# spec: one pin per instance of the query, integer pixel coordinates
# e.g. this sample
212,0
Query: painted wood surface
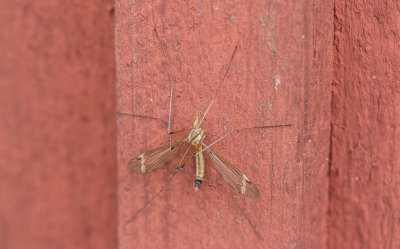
281,74
365,173
328,68
57,125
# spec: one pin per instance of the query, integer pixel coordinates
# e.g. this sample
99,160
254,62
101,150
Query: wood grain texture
365,174
282,73
57,125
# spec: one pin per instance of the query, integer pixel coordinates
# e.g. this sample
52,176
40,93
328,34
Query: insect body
159,157
196,138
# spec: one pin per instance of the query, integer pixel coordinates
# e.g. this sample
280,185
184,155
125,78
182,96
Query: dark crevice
336,50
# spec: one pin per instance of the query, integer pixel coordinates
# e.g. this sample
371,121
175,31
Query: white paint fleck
270,106
225,128
215,6
356,178
133,53
151,100
302,36
374,77
200,10
277,81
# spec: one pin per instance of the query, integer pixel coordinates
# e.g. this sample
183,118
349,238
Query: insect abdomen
200,168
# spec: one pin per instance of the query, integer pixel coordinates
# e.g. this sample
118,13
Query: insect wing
236,179
153,159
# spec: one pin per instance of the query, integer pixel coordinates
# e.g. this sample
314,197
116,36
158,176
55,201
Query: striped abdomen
200,169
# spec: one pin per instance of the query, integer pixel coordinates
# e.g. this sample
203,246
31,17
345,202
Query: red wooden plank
57,125
365,175
281,74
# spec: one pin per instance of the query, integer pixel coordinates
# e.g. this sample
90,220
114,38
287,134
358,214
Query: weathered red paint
57,125
281,74
57,132
365,174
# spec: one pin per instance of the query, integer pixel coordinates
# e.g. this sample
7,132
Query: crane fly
159,157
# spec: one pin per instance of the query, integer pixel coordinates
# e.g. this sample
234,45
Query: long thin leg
219,87
172,87
144,116
152,198
169,115
228,133
234,200
242,211
165,185
140,116
187,150
196,149
178,131
184,155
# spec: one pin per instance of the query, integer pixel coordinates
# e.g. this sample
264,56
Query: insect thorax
198,133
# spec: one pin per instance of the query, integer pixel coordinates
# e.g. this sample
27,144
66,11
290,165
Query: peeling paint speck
200,10
277,81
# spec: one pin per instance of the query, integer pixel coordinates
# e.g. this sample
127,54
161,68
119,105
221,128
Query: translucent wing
153,159
236,179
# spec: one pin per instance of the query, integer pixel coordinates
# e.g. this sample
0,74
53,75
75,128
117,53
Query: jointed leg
140,116
228,133
172,86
